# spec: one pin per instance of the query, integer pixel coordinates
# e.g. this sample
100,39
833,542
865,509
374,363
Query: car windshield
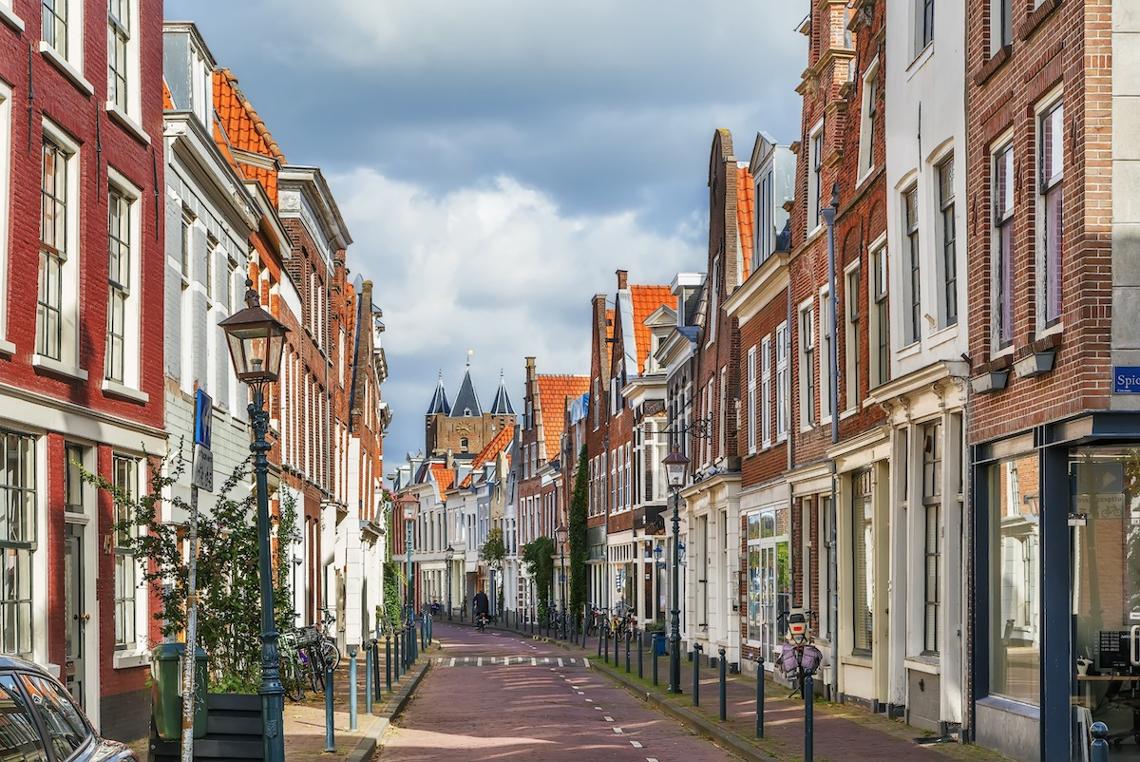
66,729
19,738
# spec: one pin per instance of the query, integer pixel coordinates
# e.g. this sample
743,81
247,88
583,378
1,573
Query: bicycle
330,653
800,657
291,663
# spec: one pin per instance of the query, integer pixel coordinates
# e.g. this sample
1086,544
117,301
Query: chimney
600,330
623,279
530,369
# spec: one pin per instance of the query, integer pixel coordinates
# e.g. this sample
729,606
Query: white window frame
714,303
751,397
923,37
1000,25
870,91
766,392
6,346
815,178
879,323
131,382
999,322
783,382
70,58
129,108
823,354
134,653
807,346
912,248
68,362
1045,185
853,319
946,266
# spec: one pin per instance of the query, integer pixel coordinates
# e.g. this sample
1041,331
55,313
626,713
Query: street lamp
410,506
256,340
450,559
561,534
675,466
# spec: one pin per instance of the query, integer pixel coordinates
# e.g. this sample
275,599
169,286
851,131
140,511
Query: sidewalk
305,721
842,731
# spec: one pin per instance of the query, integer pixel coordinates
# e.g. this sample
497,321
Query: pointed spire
439,402
502,404
467,401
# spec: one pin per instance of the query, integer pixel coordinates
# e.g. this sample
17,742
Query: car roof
14,662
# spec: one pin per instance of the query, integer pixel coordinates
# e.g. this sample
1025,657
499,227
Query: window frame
25,546
121,51
1003,218
126,598
824,348
879,290
751,393
933,463
806,314
815,178
869,110
766,392
862,496
783,381
852,321
65,356
947,239
912,236
1050,190
130,197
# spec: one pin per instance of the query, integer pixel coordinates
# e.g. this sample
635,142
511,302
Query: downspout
828,214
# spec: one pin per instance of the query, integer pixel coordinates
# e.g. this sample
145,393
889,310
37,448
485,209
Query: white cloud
497,268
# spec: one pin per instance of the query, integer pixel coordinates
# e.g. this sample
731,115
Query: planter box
1036,364
991,381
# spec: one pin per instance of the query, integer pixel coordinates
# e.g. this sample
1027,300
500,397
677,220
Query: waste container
166,690
659,641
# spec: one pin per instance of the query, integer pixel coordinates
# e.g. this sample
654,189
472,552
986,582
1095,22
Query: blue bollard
640,655
1098,751
653,641
760,676
697,674
330,731
369,687
388,662
723,689
809,718
352,686
628,638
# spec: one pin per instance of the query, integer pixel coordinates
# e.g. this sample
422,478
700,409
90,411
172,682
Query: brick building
1053,345
597,452
81,374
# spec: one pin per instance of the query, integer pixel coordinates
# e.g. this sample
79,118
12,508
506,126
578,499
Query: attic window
463,444
467,411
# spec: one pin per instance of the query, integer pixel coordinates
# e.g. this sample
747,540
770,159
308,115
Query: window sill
993,64
132,127
1036,18
928,664
848,413
816,232
7,347
70,372
115,389
1056,328
131,659
1002,704
942,335
859,660
866,174
911,349
920,60
65,68
9,17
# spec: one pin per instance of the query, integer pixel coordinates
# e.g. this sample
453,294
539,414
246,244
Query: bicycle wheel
291,679
330,654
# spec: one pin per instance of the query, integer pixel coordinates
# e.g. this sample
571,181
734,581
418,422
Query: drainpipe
828,214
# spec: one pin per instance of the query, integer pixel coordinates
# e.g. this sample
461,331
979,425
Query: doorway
769,579
74,612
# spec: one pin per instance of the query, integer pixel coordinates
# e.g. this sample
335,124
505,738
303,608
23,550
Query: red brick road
497,711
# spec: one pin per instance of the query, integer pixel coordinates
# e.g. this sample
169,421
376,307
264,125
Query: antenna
470,354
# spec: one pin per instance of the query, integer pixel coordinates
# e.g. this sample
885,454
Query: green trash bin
166,690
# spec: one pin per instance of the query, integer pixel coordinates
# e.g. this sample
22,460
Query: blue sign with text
203,418
1126,379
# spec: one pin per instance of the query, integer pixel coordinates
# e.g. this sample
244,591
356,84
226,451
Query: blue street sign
203,418
1126,379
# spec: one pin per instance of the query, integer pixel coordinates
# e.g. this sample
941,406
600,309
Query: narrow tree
538,556
494,552
578,552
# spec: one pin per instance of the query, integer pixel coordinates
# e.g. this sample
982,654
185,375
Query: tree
229,599
577,536
538,555
494,552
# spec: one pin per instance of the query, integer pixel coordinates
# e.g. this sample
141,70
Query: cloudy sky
497,160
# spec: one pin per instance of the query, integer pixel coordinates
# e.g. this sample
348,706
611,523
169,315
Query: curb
395,706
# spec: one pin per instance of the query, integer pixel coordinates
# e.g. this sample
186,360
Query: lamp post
256,340
675,465
450,557
410,505
561,533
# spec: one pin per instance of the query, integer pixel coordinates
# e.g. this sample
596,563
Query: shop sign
1101,505
1126,379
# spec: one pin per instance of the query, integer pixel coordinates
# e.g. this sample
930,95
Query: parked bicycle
800,657
293,667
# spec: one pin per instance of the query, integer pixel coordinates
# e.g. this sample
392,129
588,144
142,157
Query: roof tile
552,393
646,301
745,202
498,443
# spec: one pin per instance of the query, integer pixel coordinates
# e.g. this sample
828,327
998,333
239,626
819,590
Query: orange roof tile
609,324
444,477
646,301
745,197
552,393
498,443
167,98
243,129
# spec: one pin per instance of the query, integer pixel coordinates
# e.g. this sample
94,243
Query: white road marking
618,731
651,759
480,662
597,707
607,718
452,662
533,662
559,662
635,744
586,662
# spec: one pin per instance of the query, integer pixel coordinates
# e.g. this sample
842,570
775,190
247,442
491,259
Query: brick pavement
842,731
480,708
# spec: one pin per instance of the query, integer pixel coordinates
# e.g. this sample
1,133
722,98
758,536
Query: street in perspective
652,381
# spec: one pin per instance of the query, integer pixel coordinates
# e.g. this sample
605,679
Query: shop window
17,542
863,547
932,555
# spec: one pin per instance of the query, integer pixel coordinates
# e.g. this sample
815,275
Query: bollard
1098,751
697,674
640,655
760,697
809,719
388,662
653,641
628,638
398,655
352,685
723,696
330,731
369,685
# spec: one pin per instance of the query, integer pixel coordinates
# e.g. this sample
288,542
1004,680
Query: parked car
40,723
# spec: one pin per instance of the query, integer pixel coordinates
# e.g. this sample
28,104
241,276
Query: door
75,611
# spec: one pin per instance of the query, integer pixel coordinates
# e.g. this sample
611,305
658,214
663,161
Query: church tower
463,428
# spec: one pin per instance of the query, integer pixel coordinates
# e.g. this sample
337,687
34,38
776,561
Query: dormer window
467,412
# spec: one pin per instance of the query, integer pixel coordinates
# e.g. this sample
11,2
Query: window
914,290
815,181
881,327
867,122
826,404
783,382
17,542
766,391
119,282
714,302
73,479
1050,172
765,222
932,506
55,25
19,739
863,546
1001,25
945,173
125,475
66,730
1015,579
54,239
751,406
851,339
1003,197
118,44
807,366
723,423
923,25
